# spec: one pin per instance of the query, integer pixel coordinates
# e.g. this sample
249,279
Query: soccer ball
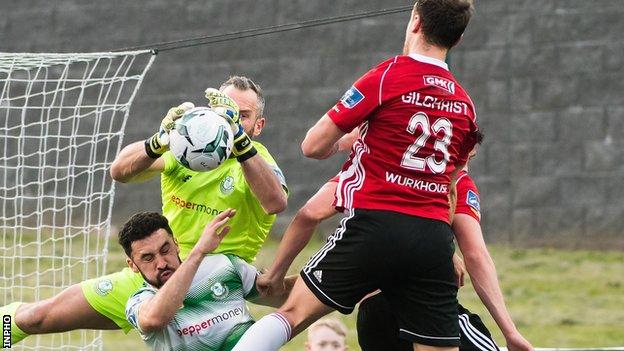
201,139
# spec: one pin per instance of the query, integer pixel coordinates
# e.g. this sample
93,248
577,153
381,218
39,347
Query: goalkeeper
250,182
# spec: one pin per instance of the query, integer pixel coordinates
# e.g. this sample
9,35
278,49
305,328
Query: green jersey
214,315
191,199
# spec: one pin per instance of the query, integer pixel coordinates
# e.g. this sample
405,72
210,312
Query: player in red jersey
373,335
417,127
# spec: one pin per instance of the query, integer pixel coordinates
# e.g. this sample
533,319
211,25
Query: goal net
62,118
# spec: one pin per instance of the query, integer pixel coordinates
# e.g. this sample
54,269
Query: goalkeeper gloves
227,108
158,144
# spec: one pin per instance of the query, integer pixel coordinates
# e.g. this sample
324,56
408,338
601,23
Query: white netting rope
62,118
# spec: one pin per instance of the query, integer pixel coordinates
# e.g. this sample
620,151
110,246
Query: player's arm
296,237
141,160
134,165
275,298
263,182
321,141
364,96
482,271
158,311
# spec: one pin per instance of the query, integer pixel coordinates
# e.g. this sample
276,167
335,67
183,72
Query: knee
310,214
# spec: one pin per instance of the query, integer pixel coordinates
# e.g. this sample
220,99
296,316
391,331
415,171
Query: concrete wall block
521,94
499,29
484,64
555,92
520,24
601,89
605,221
533,126
521,159
615,122
557,222
579,57
534,191
529,6
602,155
498,95
581,123
613,58
522,227
532,60
576,191
546,158
498,159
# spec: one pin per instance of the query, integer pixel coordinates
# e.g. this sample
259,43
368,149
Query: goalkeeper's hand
158,144
227,108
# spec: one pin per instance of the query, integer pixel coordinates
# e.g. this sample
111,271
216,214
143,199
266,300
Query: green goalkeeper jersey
191,199
214,315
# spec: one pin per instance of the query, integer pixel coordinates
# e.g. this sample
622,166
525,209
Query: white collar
430,60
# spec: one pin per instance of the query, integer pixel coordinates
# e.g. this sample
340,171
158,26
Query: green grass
558,298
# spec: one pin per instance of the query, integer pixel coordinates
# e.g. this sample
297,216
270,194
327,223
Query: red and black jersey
417,125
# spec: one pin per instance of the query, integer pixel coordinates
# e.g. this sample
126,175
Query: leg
66,311
272,331
302,308
93,304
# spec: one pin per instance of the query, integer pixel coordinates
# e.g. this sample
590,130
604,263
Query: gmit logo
6,331
439,82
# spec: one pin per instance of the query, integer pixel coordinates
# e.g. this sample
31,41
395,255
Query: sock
268,334
17,334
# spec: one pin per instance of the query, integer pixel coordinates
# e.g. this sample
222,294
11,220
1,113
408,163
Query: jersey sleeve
248,275
170,162
360,100
134,304
468,201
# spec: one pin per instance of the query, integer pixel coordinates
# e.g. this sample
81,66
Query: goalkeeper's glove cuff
153,148
243,148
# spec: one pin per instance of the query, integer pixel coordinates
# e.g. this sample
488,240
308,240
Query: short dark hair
140,226
480,136
243,83
444,21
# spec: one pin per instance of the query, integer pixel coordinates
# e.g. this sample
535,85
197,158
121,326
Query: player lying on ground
371,334
190,305
251,182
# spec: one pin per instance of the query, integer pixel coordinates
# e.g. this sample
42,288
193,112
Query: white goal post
62,119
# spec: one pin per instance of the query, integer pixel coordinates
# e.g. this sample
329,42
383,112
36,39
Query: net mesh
62,118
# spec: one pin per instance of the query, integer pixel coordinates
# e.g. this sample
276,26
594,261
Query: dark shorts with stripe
409,258
378,329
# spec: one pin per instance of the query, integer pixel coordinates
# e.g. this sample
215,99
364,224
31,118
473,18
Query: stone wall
546,77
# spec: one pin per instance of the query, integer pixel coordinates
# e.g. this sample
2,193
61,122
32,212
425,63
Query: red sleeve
361,99
468,201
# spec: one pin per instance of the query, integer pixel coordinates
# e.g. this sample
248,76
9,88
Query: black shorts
376,336
409,258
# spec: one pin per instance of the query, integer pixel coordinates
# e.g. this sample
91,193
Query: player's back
417,126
